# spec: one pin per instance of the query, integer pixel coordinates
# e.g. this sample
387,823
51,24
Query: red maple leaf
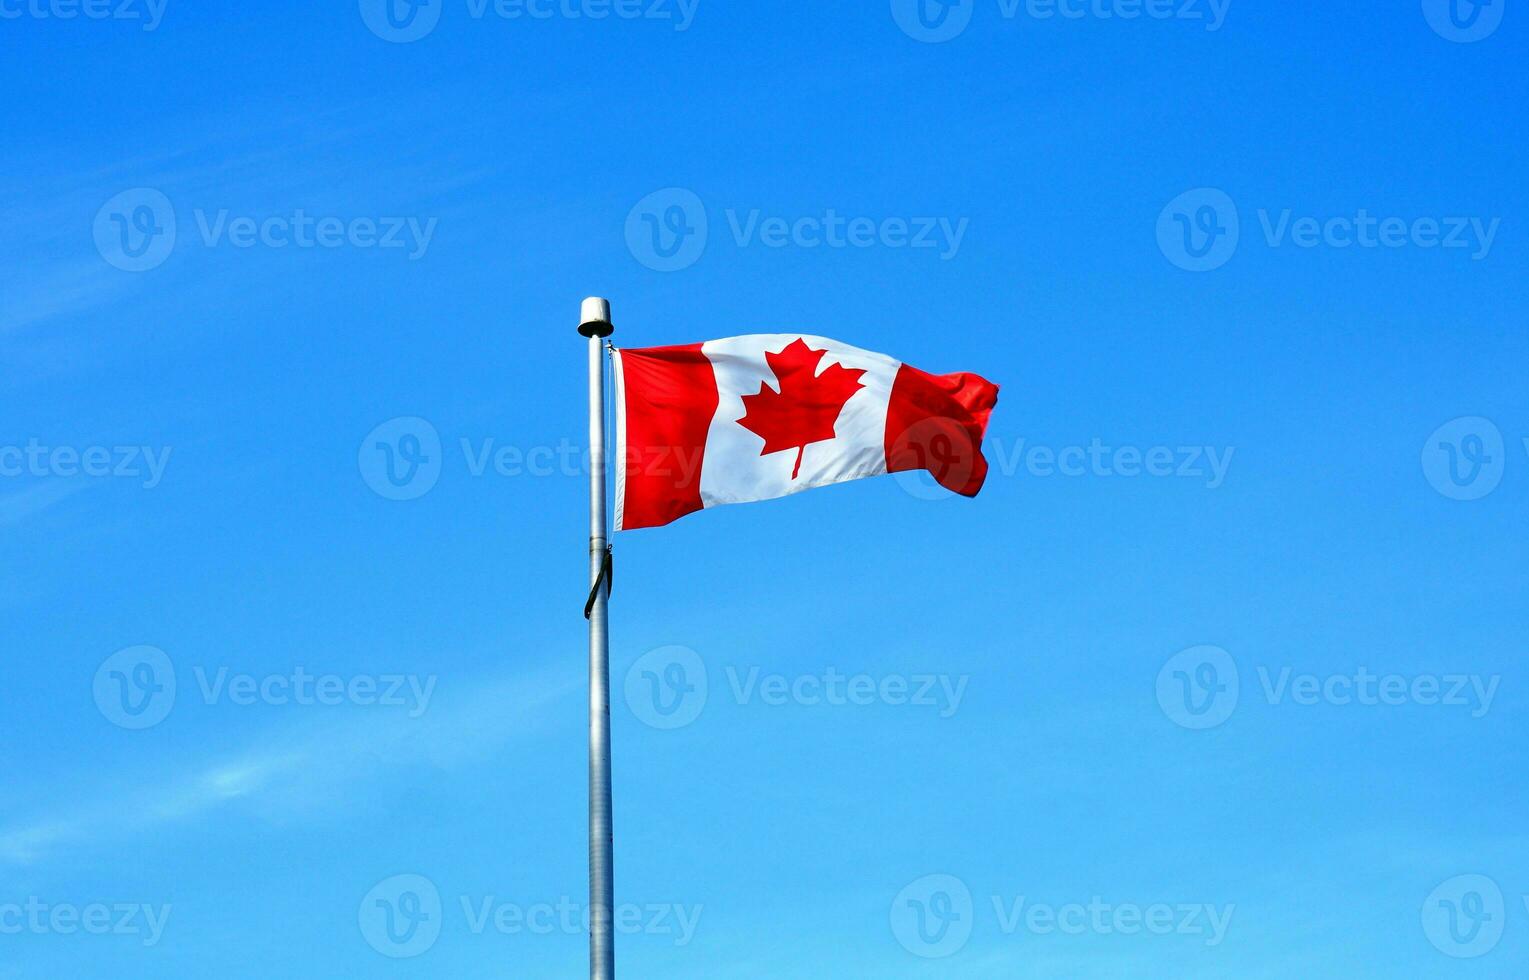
807,405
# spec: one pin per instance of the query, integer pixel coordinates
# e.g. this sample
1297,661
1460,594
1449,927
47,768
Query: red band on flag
936,422
669,397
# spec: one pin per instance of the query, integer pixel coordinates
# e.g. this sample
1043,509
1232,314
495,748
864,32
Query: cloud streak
22,504
303,768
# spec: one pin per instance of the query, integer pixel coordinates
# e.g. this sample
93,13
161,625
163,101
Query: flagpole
595,323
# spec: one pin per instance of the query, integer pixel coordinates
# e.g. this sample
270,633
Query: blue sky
1252,710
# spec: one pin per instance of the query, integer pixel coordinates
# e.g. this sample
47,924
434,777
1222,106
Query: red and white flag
763,416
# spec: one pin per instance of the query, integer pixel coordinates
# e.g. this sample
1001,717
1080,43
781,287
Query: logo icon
135,231
1198,231
135,688
401,458
401,21
933,21
401,916
667,230
932,917
1464,21
1464,459
666,688
1198,688
1463,917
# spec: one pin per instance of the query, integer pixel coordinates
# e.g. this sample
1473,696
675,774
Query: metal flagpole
595,323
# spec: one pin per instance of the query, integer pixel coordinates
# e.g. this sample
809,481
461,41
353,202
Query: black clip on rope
607,577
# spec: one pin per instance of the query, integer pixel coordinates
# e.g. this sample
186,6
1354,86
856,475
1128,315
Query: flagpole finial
595,318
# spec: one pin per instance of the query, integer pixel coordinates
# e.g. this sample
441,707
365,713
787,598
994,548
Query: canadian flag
763,416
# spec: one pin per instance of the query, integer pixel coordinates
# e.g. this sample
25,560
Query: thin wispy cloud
287,164
304,768
19,505
68,288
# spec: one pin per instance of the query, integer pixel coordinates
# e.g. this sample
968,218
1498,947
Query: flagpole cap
595,318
